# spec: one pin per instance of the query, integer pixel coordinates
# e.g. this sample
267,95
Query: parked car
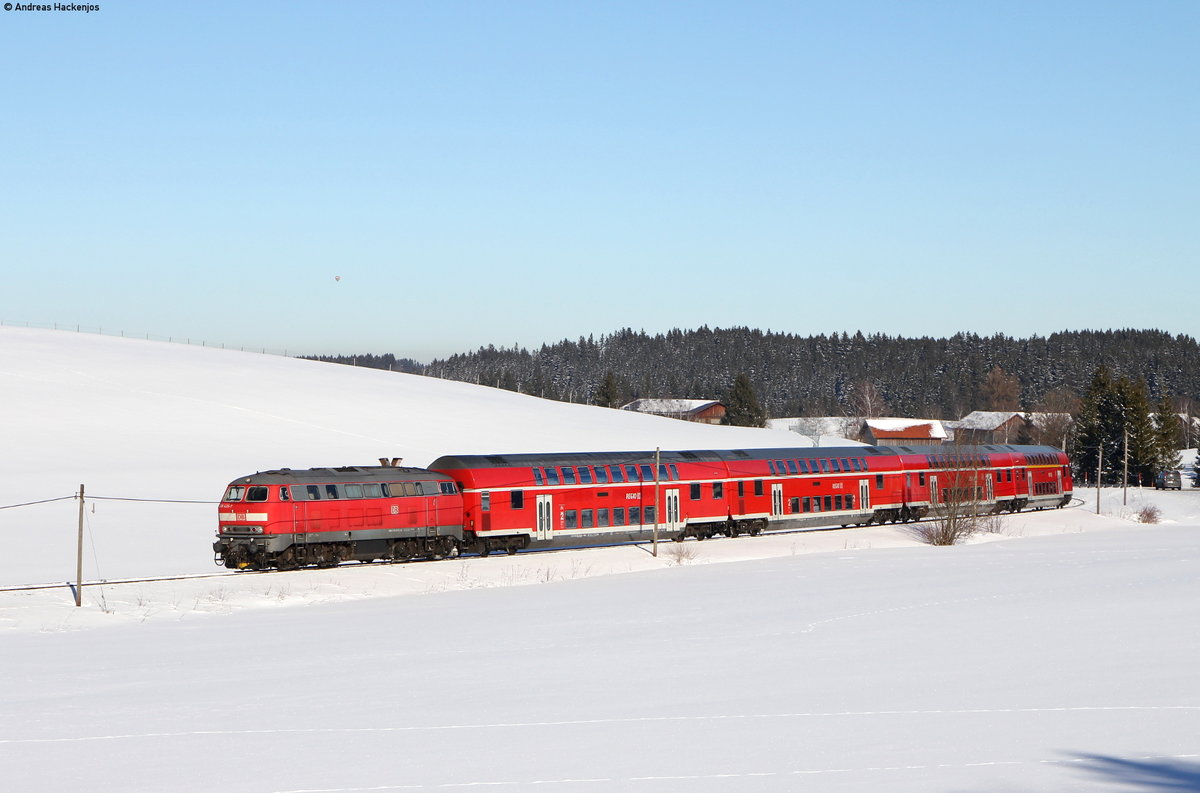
1168,480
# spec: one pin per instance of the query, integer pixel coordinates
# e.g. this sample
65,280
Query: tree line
824,375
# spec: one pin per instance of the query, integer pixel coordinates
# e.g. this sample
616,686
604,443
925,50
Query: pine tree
1137,431
741,407
1167,435
609,393
1099,417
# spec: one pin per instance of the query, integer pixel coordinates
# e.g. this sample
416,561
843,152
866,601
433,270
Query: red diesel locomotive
487,503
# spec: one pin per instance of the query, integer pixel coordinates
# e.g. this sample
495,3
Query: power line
43,501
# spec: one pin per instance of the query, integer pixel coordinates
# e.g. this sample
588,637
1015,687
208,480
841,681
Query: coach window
807,506
845,465
829,503
552,476
795,504
314,492
834,465
537,477
601,475
758,487
824,466
663,474
585,475
485,501
648,514
718,490
921,479
284,495
879,481
617,476
568,475
516,499
635,516
602,518
791,466
647,473
619,516
694,491
631,473
353,491
849,501
674,472
570,519
816,504
771,467
256,494
587,517
803,466
741,489
837,503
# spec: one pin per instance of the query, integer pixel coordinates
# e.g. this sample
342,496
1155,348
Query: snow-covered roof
985,419
669,406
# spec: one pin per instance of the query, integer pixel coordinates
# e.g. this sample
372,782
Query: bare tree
1052,418
1001,391
811,427
866,400
958,493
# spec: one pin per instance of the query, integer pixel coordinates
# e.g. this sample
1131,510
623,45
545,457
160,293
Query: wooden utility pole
79,556
655,546
1125,475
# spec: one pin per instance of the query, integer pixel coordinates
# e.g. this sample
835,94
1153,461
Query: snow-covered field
1057,655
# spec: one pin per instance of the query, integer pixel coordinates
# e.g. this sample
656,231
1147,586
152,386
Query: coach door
864,494
777,499
545,517
671,521
934,495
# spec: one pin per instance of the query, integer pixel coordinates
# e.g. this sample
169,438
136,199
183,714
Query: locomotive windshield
234,493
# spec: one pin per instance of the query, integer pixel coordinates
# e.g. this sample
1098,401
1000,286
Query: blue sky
521,172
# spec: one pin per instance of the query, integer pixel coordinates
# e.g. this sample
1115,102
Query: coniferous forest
828,375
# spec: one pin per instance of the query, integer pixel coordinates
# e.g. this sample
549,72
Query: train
506,503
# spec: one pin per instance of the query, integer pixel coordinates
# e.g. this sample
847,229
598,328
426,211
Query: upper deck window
552,476
617,476
568,475
601,475
585,475
537,476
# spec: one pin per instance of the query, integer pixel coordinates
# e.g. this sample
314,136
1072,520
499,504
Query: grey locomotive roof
350,473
